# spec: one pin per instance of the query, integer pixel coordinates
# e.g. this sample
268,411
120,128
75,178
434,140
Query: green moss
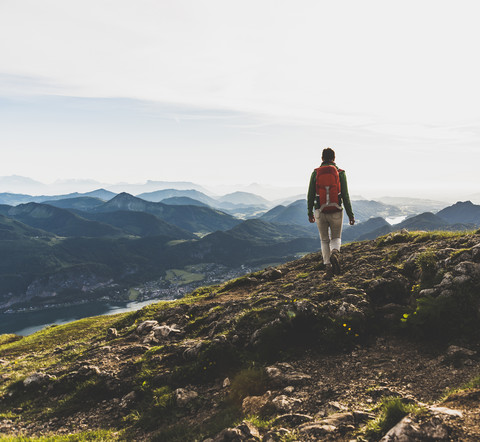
458,252
8,338
303,275
390,411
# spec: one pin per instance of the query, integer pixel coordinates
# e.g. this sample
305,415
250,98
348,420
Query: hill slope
59,221
192,218
281,353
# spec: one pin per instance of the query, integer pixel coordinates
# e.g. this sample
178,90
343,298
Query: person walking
326,193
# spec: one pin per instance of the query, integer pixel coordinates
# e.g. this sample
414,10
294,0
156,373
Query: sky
228,93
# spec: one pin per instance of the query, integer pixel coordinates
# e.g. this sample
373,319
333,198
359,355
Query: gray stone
457,353
468,268
462,279
428,292
129,399
37,380
112,333
184,396
88,370
292,419
257,405
316,429
284,403
283,374
164,331
146,326
249,430
411,429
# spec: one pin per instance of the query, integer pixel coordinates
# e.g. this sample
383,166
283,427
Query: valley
88,251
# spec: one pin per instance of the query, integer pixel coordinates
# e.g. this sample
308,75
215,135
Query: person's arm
311,195
346,197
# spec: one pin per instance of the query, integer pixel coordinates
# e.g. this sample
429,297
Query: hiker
326,192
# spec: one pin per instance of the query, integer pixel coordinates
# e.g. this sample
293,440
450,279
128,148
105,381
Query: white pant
330,230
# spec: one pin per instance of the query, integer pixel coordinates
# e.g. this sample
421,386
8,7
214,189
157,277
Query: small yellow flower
344,325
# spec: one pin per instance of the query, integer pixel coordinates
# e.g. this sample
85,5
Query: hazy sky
234,92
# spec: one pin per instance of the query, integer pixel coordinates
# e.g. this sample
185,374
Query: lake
26,323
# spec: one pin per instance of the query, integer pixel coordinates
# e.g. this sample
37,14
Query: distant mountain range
84,244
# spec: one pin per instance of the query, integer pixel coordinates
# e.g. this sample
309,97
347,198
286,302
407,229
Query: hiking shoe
328,271
335,260
320,266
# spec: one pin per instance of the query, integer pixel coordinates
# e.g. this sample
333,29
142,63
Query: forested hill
389,348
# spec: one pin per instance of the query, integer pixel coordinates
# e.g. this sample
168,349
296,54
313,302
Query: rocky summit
388,350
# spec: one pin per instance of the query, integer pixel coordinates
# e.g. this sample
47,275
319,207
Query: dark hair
328,154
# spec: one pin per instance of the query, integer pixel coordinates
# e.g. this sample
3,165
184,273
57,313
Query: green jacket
312,191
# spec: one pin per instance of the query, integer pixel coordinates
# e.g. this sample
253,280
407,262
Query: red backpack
328,189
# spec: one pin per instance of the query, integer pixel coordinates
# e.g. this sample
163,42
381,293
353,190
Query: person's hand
311,218
352,221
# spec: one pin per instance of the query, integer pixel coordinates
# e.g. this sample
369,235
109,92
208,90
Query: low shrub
446,317
248,382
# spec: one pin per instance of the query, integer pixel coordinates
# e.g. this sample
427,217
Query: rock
183,396
316,429
164,331
283,374
192,352
249,430
258,405
226,383
129,399
467,268
272,274
284,404
246,431
462,279
411,429
292,419
146,326
134,350
457,355
276,435
453,351
446,411
36,380
428,292
112,333
88,370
